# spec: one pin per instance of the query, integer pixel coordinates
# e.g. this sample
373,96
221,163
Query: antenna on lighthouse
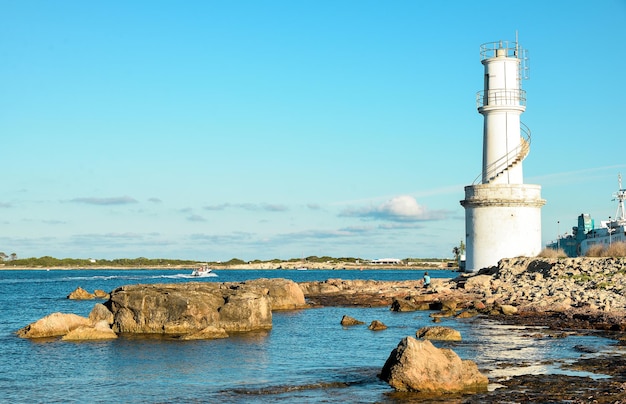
620,195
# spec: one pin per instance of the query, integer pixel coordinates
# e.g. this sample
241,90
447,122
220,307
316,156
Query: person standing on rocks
426,280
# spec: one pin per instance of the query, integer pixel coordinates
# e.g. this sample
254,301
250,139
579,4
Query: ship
586,235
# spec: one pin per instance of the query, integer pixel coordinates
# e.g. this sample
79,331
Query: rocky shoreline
574,294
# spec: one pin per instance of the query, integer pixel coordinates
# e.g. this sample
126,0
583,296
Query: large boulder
188,308
53,325
420,366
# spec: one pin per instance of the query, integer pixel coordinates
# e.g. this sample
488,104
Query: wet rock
403,305
438,333
348,321
467,314
377,326
508,310
449,305
209,332
420,366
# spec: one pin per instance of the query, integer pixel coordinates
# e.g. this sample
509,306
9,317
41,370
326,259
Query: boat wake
102,278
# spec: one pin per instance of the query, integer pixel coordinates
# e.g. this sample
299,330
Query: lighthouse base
501,221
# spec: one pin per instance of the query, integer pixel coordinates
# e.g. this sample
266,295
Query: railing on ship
507,161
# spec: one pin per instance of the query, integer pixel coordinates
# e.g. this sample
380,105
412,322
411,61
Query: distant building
387,261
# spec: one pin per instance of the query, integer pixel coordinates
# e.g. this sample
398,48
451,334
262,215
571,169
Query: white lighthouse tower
502,214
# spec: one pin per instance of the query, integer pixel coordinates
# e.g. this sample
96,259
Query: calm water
307,356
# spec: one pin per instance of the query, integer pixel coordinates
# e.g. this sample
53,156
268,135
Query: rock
480,282
508,310
420,366
101,294
478,305
80,294
53,325
247,311
377,326
100,313
348,321
284,294
467,314
209,332
438,333
407,304
449,305
187,308
99,331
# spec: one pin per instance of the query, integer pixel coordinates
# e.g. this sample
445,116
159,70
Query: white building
502,214
387,261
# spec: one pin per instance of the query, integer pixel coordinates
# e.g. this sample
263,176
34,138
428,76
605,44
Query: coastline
554,298
256,266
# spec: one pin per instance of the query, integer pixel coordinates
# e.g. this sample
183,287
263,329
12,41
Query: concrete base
501,221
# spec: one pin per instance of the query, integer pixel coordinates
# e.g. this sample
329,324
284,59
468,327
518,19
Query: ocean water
306,357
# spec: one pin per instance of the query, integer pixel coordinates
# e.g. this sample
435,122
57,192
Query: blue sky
276,129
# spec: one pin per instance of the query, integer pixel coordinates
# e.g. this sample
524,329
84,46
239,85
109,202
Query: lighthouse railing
500,97
509,49
513,157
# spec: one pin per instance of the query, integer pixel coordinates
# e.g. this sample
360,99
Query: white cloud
403,208
119,200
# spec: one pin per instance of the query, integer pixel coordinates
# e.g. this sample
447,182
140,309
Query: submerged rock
377,326
438,333
420,366
348,321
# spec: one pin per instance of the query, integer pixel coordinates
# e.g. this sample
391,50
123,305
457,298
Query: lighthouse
502,214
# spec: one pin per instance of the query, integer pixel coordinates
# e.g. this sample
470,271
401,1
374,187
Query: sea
307,357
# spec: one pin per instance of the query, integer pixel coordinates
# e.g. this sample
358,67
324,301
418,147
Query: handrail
507,161
500,97
510,49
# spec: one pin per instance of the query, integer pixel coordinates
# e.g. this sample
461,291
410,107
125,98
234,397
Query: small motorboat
203,270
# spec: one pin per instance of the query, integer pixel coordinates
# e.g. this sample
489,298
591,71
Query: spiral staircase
514,157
